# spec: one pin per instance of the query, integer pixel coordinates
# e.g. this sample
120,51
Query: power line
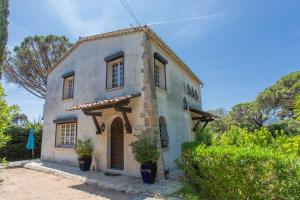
185,19
128,8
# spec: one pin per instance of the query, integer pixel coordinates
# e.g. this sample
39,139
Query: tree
29,63
297,108
20,120
278,99
6,114
222,123
249,115
3,27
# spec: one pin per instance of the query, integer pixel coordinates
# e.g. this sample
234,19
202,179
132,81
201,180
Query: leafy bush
204,136
6,115
289,126
230,172
84,148
297,108
15,149
145,149
289,144
262,137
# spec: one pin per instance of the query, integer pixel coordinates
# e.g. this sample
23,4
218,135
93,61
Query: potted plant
145,151
84,149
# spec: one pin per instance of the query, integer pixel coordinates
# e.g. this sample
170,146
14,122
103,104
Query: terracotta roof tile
117,33
103,102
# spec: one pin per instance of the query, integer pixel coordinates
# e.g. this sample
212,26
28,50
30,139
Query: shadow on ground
94,190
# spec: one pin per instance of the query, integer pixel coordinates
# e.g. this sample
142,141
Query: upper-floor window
68,86
117,75
115,70
160,71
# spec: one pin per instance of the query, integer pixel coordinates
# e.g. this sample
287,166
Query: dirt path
25,184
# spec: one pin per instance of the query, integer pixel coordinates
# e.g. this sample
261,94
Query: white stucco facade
90,74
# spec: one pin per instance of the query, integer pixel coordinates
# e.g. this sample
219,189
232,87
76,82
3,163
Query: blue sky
237,48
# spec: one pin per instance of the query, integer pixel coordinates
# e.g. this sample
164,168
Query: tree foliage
279,98
297,108
249,115
15,149
29,63
20,120
6,114
219,125
275,102
3,26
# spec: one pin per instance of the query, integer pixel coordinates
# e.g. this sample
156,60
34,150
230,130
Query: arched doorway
117,144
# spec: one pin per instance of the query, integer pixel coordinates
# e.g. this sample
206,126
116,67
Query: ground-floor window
66,135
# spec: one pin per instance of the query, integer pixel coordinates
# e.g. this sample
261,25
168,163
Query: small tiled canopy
118,104
105,102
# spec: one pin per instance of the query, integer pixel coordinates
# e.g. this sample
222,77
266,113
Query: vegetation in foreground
242,156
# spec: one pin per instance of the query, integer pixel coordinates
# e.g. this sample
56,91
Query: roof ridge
156,38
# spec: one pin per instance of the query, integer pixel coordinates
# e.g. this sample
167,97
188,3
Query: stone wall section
150,113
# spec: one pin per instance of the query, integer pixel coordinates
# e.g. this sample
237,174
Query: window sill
115,88
165,148
69,148
67,100
161,89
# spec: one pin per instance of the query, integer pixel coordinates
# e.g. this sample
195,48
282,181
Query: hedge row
230,172
15,149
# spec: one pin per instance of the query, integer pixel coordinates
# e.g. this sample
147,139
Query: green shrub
242,137
15,149
297,108
204,136
84,148
145,149
230,172
289,144
289,126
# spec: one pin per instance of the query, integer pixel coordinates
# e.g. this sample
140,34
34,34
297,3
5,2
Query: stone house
113,86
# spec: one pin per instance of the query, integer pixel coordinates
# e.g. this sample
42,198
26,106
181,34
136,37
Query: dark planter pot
148,172
85,163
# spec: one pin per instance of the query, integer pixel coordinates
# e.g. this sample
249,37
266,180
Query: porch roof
104,102
202,115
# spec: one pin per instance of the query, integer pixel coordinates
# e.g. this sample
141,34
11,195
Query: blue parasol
30,142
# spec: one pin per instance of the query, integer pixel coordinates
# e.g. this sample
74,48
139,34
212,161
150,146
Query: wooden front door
117,144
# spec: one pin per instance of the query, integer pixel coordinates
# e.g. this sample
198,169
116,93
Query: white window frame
68,88
115,73
66,134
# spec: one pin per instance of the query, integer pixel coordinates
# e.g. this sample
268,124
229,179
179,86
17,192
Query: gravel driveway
25,184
